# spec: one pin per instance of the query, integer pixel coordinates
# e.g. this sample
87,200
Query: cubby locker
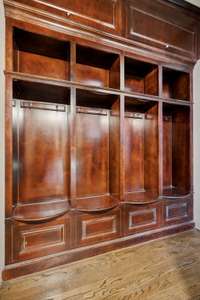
96,67
97,150
141,151
176,84
40,55
40,150
176,150
141,77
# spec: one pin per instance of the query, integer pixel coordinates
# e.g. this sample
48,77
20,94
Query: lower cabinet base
54,260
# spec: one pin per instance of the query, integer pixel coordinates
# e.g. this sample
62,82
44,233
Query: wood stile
98,127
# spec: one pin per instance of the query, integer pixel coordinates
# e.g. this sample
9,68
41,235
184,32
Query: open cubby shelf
97,119
51,58
97,151
40,55
97,68
141,150
176,84
141,77
176,150
40,125
29,90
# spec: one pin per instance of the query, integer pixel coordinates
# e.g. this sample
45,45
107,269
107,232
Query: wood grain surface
159,270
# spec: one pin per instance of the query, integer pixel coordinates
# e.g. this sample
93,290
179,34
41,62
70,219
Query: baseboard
44,263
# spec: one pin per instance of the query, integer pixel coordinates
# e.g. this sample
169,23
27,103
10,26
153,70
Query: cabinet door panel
99,14
99,227
37,240
171,29
142,218
177,211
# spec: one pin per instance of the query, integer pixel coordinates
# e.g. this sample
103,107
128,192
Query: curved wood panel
140,198
40,212
96,204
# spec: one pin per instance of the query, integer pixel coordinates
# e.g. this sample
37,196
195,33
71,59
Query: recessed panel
41,152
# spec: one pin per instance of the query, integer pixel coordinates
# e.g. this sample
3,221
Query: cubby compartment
97,68
40,55
176,84
40,151
176,150
97,151
141,151
141,77
40,92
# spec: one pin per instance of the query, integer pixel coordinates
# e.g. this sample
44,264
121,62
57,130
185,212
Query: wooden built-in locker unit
98,127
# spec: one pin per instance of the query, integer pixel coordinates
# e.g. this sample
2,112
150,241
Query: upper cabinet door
99,14
162,25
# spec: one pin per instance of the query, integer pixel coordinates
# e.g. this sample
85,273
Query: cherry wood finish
98,127
164,26
38,239
141,151
176,150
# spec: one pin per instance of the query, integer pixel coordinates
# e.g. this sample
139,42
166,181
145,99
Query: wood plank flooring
160,270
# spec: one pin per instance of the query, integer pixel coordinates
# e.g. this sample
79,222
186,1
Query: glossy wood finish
40,55
98,227
175,34
160,270
31,240
42,153
141,150
176,84
97,68
176,137
141,77
100,14
98,137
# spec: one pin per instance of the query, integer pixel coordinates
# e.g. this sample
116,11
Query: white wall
2,56
196,137
195,2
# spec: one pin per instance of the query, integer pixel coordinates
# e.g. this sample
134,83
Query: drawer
98,227
177,211
37,240
99,14
177,31
139,218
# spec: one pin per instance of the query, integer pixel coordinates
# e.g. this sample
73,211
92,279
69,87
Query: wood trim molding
36,265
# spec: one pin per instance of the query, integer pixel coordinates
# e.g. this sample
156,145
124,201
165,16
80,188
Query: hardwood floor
160,270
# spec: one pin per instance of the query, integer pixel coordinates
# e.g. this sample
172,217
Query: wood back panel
181,150
92,159
134,153
167,151
42,65
151,149
114,149
41,151
90,75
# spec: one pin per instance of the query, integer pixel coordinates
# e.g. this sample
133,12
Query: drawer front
99,227
178,211
177,35
142,218
99,14
36,240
